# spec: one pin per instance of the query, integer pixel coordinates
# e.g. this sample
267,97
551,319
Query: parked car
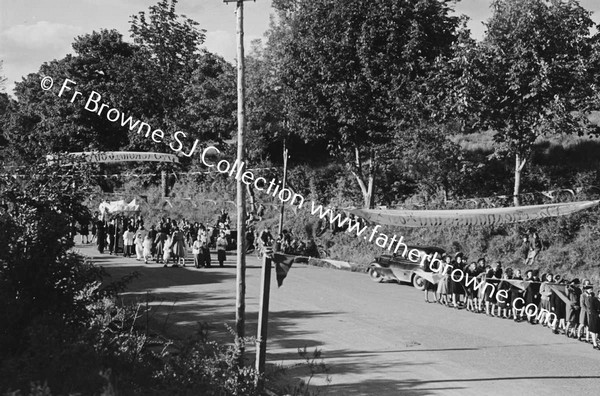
395,267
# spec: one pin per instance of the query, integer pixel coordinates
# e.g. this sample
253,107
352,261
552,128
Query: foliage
315,365
61,326
41,122
45,288
530,76
375,84
173,40
163,79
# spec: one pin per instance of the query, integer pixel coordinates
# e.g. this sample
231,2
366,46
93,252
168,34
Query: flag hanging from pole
283,263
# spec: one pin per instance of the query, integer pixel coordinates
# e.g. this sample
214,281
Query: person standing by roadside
167,251
442,288
265,239
573,308
221,248
532,294
545,294
84,231
559,308
178,248
128,237
111,230
471,273
205,240
584,315
197,252
159,243
101,235
594,317
502,301
516,293
489,296
481,269
152,235
140,235
147,247
455,289
94,227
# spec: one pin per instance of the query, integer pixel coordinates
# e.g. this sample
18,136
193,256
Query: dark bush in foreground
62,332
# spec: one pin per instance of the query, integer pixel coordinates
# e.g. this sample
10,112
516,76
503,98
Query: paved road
376,339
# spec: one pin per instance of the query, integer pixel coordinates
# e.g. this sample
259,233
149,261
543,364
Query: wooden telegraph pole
263,318
265,291
241,191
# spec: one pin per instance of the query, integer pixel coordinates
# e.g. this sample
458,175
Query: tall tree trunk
163,183
520,162
365,182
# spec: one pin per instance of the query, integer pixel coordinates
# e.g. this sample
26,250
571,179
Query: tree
153,81
42,122
353,73
529,76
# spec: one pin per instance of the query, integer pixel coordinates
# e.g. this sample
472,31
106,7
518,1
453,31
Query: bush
62,332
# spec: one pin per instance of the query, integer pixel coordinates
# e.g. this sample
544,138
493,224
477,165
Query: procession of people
167,242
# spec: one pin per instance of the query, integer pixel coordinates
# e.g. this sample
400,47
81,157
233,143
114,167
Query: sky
37,31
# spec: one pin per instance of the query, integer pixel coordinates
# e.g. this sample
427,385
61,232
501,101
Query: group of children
561,305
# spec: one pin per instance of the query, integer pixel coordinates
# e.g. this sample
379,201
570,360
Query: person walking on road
221,248
111,230
101,234
140,235
197,252
178,248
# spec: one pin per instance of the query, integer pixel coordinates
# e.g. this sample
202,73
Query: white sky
36,31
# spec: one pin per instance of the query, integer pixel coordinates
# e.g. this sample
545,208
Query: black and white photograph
299,197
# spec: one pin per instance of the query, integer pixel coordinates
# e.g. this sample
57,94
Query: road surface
376,339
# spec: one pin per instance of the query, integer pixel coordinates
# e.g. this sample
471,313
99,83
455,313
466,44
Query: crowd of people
567,307
166,242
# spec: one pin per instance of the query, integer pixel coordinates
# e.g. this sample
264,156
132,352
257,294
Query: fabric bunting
495,216
283,263
559,290
521,284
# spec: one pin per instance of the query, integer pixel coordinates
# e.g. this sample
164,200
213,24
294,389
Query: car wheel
375,275
418,282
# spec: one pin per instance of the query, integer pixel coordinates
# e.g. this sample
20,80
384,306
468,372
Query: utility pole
265,291
263,319
240,187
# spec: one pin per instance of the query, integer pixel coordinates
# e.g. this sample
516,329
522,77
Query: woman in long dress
178,247
455,288
140,235
584,302
167,250
147,246
443,283
159,244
